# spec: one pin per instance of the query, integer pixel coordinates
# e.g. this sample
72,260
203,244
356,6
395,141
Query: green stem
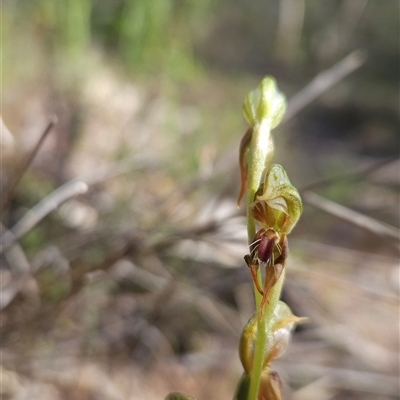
264,329
258,358
260,155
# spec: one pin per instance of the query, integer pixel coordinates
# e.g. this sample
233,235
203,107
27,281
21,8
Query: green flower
278,204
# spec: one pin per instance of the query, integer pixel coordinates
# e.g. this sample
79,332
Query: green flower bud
282,323
265,104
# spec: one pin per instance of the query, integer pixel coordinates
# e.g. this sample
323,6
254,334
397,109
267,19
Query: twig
40,210
324,81
27,162
351,176
21,265
339,333
358,381
345,285
344,256
21,274
352,216
70,189
213,310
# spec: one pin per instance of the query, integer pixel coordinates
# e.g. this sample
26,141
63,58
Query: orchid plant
273,208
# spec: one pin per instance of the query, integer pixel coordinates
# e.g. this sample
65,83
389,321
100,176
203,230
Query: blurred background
122,268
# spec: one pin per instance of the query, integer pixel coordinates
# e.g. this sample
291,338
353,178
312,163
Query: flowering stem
260,155
263,109
264,329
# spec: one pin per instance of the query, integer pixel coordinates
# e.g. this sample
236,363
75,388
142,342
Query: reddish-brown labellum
263,249
267,245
